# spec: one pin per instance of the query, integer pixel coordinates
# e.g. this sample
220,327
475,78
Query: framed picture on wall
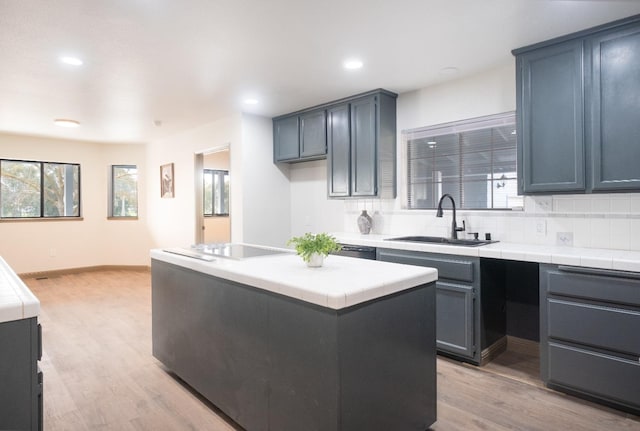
166,181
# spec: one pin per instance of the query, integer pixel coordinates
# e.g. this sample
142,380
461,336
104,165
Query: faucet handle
475,234
463,228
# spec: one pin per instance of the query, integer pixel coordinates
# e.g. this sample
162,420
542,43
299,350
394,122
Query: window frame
111,215
453,128
42,216
213,172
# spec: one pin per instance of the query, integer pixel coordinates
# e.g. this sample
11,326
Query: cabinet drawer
602,285
613,379
595,325
449,268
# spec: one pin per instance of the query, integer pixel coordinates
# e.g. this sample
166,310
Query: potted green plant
313,248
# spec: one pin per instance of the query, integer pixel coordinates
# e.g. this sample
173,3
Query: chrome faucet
454,226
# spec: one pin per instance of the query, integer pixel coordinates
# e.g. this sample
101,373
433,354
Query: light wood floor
99,373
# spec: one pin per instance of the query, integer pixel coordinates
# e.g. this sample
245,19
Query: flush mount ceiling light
72,61
63,122
352,64
449,70
250,101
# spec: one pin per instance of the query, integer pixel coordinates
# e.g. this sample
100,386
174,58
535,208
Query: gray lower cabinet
589,325
577,110
470,318
21,397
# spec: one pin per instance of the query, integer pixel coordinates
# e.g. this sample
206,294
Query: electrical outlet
541,227
564,238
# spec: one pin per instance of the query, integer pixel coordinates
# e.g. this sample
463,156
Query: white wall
259,191
266,200
172,220
597,220
32,246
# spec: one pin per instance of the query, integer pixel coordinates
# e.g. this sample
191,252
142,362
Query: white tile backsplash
595,221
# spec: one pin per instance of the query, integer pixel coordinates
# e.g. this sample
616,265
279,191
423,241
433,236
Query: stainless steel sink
444,241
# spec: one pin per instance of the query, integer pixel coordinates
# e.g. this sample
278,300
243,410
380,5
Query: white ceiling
189,62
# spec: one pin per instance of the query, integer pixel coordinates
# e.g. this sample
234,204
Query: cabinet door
615,110
364,147
454,319
286,139
313,134
339,155
550,104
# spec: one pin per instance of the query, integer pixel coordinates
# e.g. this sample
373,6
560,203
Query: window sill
122,218
46,219
215,215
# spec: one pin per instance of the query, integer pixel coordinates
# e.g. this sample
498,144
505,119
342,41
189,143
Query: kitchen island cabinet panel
20,379
273,362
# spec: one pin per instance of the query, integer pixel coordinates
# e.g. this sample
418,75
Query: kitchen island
279,346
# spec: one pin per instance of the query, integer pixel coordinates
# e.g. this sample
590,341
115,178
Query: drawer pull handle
596,271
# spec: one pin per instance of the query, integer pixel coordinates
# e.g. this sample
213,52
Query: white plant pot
316,260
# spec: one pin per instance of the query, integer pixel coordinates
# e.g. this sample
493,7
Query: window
31,189
216,192
473,160
124,191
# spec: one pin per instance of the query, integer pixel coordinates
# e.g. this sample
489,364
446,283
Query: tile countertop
561,255
341,282
16,300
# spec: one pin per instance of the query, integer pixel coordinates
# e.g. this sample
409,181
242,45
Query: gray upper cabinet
615,109
551,119
339,158
313,134
361,142
300,137
356,134
286,139
363,147
577,102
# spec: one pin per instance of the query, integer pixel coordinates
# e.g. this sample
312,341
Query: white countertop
341,282
16,300
560,255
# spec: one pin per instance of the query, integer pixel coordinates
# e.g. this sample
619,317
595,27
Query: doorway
213,215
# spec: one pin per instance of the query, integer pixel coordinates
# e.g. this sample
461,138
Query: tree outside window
124,191
32,189
216,192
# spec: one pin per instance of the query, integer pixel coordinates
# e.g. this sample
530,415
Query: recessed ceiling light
352,64
449,70
73,61
63,122
250,101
